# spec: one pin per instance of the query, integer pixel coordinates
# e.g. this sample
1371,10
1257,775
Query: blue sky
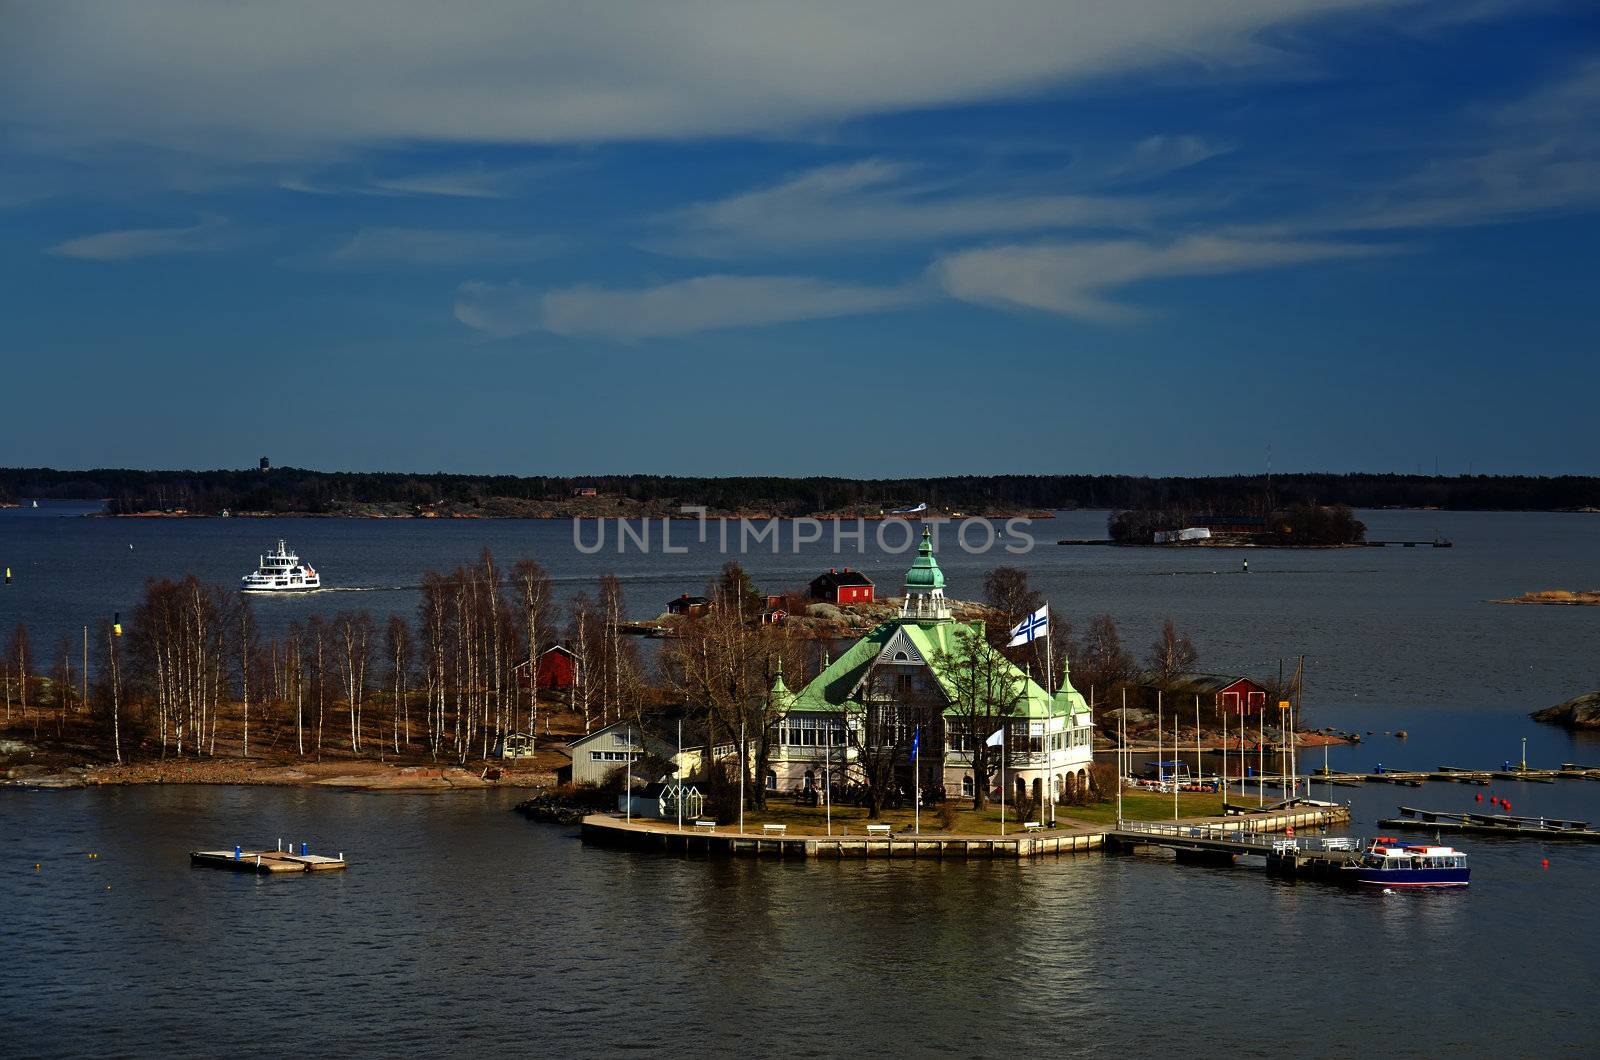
889,239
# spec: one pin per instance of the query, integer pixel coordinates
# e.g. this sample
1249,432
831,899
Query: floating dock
1414,778
610,830
266,861
1492,824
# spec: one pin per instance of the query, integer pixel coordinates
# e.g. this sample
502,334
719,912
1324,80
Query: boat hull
1373,877
279,589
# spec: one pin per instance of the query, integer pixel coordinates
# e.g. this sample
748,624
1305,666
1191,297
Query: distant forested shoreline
291,491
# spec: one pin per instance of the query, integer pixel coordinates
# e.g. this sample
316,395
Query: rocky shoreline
1579,712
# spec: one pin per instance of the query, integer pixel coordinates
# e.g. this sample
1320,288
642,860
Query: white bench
710,826
879,829
774,829
1032,826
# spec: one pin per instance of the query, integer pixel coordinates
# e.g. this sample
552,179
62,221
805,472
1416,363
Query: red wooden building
557,669
1234,695
842,587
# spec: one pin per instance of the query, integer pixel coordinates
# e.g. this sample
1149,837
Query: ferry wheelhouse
281,572
1391,863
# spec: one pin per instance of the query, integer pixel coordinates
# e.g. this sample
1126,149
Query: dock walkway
266,861
610,830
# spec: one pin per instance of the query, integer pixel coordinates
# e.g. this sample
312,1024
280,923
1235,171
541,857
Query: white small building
597,754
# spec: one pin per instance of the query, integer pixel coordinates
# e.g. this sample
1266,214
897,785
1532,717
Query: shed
842,587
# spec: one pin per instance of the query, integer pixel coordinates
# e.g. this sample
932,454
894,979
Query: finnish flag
1035,625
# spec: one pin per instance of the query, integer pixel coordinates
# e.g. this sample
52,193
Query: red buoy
1479,796
1507,804
1544,863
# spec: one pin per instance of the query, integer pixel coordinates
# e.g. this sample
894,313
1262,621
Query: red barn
558,668
1234,695
842,587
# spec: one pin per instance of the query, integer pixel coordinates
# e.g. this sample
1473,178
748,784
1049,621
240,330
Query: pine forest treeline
295,490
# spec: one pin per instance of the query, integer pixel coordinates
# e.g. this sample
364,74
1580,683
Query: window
772,780
966,785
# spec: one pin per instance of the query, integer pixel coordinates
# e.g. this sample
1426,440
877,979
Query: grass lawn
852,820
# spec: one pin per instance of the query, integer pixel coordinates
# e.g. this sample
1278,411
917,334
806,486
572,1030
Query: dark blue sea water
464,928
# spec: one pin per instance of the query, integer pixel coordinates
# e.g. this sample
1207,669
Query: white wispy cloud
128,244
1538,154
703,303
874,202
438,246
287,78
1074,279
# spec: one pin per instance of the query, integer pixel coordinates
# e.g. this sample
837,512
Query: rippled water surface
461,927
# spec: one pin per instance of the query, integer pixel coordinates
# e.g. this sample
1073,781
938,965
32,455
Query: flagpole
827,779
916,781
1049,718
1122,750
1003,735
678,773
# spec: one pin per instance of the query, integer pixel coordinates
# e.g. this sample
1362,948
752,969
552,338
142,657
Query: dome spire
925,585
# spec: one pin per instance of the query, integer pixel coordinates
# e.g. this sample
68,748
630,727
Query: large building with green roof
892,672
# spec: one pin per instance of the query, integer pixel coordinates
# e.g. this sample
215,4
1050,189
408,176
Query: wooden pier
1284,856
610,830
266,861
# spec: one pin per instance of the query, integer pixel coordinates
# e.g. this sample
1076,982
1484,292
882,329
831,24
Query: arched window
901,656
772,780
966,785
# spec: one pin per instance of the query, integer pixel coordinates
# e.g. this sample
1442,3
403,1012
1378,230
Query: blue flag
916,738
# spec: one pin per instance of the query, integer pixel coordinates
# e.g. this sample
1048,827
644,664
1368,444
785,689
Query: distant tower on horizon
266,465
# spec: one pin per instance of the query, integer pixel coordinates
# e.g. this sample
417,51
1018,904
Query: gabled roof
835,578
840,685
1199,684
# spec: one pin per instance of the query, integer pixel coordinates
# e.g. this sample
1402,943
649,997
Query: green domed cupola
925,585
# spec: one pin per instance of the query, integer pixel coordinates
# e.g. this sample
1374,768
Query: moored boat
1389,862
281,572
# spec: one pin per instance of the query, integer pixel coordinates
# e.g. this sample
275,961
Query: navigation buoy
1544,863
116,621
1479,796
8,575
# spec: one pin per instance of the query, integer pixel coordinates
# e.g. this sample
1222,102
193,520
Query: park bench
879,829
774,829
710,826
1032,826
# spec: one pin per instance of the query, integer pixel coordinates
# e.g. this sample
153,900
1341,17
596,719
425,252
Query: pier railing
1217,834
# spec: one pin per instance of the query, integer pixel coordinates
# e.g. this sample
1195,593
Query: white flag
1035,625
998,738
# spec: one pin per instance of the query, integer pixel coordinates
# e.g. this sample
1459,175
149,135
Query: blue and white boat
1392,863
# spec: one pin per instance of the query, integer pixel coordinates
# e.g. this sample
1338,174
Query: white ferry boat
281,572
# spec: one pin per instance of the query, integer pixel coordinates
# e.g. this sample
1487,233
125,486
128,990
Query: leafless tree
1102,663
353,631
531,587
1172,655
985,691
398,648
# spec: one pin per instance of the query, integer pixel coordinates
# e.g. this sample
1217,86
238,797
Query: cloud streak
702,303
302,76
130,244
1074,279
872,202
